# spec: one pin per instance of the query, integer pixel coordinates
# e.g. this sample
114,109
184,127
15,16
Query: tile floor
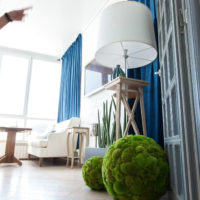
49,182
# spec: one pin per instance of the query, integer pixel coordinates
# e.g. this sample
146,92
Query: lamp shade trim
107,55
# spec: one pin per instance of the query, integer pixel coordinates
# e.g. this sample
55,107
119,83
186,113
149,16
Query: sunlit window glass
44,89
13,76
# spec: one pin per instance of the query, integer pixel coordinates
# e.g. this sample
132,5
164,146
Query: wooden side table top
83,129
126,83
128,86
14,129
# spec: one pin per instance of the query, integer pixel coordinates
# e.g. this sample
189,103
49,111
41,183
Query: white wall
91,104
49,28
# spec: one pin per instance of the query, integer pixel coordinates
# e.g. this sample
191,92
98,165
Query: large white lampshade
126,35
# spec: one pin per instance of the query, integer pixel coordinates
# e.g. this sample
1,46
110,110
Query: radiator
21,149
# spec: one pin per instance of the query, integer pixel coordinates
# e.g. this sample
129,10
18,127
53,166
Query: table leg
10,144
118,112
80,147
15,160
73,143
10,150
143,112
67,162
41,161
130,115
3,159
10,159
68,142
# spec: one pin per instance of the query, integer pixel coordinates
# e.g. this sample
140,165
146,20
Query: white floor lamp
126,36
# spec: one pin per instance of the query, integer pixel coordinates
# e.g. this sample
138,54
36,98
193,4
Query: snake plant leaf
99,131
113,134
114,103
125,121
106,131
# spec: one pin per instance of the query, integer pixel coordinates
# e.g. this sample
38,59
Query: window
44,90
29,90
13,76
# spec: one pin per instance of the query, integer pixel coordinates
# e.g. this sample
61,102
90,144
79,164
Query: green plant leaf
99,131
114,103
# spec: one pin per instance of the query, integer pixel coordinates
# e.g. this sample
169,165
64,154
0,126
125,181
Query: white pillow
38,129
49,130
62,126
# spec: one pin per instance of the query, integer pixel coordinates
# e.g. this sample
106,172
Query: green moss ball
92,175
135,168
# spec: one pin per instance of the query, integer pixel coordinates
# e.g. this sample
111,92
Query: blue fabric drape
152,93
70,86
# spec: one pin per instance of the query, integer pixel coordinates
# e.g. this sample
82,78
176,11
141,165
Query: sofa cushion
64,125
46,134
42,143
42,129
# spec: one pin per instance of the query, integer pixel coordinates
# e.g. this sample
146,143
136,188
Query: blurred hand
18,15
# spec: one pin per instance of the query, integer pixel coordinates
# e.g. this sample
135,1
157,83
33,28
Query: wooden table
128,88
10,144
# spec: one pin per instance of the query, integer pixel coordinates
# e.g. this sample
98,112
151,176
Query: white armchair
54,143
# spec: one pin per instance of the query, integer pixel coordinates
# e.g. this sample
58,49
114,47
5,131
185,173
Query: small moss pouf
92,175
135,168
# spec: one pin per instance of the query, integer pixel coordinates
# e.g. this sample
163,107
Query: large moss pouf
92,175
135,168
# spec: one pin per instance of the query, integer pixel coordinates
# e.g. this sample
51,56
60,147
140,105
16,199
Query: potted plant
106,132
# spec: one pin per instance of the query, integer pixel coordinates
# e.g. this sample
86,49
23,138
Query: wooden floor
49,182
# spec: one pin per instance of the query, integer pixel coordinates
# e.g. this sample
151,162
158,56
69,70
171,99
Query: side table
75,132
10,144
128,88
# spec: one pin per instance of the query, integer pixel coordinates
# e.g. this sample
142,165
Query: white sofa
52,143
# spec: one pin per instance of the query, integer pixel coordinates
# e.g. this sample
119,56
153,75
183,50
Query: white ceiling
50,27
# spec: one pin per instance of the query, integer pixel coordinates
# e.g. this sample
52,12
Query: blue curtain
152,93
70,86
